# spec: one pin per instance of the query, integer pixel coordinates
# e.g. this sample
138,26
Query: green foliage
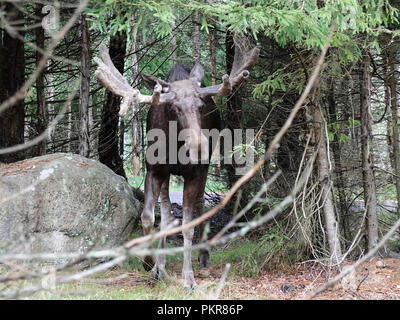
248,257
275,81
334,130
388,193
242,255
241,149
304,22
114,16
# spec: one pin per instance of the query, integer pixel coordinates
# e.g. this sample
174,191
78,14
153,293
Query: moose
181,99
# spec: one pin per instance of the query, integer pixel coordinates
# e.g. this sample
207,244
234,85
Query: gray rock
63,203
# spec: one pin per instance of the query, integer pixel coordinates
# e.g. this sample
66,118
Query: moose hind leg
166,219
204,258
193,195
204,254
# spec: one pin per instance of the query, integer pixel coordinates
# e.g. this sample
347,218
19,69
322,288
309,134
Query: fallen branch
222,281
351,268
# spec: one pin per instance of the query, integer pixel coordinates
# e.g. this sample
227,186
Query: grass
244,256
388,193
249,258
91,290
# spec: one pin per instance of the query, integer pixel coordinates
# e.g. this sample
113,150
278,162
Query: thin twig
222,281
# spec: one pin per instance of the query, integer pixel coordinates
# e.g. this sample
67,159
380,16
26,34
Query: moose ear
197,73
150,82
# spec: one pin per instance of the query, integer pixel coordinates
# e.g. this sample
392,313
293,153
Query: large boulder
63,203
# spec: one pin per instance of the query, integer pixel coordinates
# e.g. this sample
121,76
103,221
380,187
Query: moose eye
177,110
199,105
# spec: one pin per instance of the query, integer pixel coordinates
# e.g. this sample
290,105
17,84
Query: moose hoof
189,284
158,273
204,273
190,287
148,263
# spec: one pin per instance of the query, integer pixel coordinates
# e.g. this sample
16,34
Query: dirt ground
375,280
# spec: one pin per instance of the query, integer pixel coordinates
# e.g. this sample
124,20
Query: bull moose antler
242,62
114,81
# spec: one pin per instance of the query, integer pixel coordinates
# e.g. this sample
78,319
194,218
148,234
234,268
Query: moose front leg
193,196
166,219
152,189
187,269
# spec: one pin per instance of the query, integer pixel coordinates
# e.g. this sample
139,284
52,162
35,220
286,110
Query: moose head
185,98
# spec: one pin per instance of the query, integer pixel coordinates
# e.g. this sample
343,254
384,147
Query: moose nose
198,147
196,140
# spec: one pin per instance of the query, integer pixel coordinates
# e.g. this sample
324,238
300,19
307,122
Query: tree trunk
331,225
232,104
84,98
136,144
136,123
92,142
121,137
395,120
234,121
340,182
196,37
12,72
108,135
366,153
40,94
69,145
50,108
213,54
174,46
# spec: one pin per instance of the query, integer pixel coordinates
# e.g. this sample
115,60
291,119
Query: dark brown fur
190,111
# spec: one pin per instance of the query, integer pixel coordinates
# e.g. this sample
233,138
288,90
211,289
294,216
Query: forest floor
376,280
373,280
